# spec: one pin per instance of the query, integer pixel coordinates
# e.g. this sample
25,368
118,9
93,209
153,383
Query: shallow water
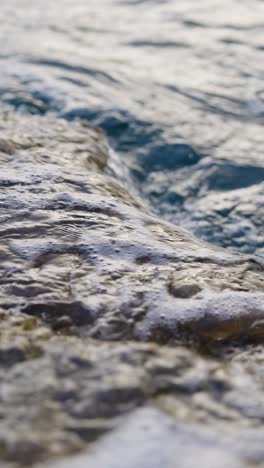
177,86
99,293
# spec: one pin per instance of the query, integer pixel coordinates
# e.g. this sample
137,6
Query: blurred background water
178,86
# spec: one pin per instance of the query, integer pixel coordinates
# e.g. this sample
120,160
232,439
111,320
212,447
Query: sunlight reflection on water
156,75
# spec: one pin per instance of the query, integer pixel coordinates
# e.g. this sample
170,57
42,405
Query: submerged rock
60,394
76,244
88,276
149,439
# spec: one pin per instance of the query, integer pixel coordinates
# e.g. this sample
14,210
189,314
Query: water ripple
177,87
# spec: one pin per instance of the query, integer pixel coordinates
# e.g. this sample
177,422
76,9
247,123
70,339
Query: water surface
177,86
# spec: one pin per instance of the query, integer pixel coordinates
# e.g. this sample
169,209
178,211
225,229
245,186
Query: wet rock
150,439
77,389
91,285
79,250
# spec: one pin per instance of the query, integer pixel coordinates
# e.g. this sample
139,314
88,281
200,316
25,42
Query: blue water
177,85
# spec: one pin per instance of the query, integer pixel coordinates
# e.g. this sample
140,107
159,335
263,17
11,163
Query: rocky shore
113,320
